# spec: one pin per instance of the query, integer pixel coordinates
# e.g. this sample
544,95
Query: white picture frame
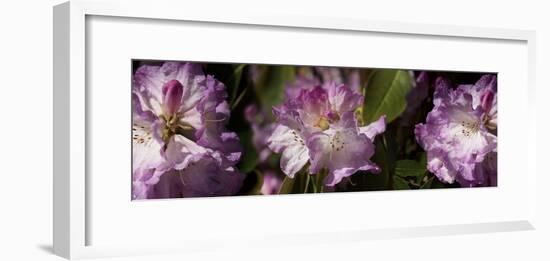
72,198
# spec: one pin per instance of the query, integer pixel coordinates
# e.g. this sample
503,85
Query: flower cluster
460,133
180,145
263,125
304,129
317,125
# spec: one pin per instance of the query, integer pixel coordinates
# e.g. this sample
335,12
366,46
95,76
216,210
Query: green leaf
380,181
249,159
386,94
423,162
234,83
409,168
270,88
400,183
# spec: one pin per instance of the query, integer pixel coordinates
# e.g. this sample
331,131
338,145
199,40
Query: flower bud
487,100
173,92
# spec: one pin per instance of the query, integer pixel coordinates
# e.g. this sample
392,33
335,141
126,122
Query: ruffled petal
319,151
342,99
311,107
147,84
207,179
232,148
214,112
292,145
342,151
204,178
181,151
441,167
374,128
283,137
294,158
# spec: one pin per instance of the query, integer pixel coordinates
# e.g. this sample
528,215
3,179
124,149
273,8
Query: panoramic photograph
203,129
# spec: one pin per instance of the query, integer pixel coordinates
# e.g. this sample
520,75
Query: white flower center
141,134
297,138
469,128
336,142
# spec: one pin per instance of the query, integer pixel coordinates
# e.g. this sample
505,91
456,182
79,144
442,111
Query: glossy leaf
270,88
249,158
378,181
400,183
386,94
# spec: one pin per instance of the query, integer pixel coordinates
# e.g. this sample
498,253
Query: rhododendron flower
261,130
179,118
319,126
342,149
460,134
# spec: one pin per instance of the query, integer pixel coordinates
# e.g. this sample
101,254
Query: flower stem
320,178
315,183
307,183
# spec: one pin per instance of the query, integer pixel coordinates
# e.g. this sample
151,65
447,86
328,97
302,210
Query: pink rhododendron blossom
319,127
460,133
179,117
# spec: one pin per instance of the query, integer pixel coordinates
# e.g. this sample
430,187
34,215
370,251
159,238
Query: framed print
197,129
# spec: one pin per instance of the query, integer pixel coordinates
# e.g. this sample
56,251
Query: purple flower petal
292,145
181,151
342,99
342,150
374,128
201,179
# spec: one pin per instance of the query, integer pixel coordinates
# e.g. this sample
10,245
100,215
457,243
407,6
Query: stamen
140,134
469,128
337,142
217,120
